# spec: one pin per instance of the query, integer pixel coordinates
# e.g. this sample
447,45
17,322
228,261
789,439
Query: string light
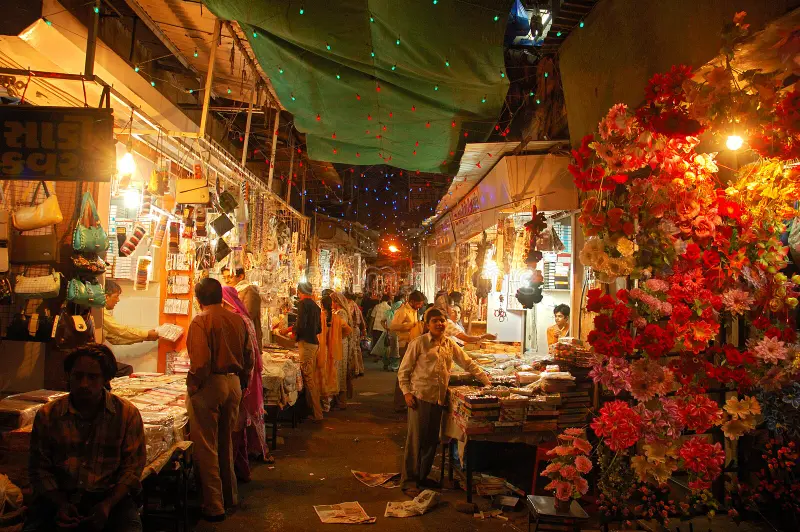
582,24
255,34
372,53
558,34
280,70
328,47
394,67
502,74
47,21
397,42
293,98
338,76
302,11
547,74
229,91
195,53
136,68
96,10
436,87
496,18
371,19
447,62
152,83
483,100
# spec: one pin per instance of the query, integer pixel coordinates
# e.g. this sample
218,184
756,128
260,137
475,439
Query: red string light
319,118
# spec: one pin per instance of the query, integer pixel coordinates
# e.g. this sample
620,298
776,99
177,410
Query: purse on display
18,328
33,248
91,239
86,293
222,224
222,250
37,216
41,287
192,191
227,202
94,266
73,330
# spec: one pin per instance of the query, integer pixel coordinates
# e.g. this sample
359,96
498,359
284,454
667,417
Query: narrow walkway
313,467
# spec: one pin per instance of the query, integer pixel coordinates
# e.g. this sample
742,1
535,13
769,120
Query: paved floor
313,467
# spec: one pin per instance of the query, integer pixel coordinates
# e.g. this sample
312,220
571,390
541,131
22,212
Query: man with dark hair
221,361
405,325
308,326
423,377
114,332
251,298
561,327
87,451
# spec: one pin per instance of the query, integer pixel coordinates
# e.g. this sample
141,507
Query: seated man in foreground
87,452
423,376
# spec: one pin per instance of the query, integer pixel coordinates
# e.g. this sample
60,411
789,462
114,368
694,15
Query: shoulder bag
192,191
41,287
86,293
93,266
91,239
18,328
37,216
34,248
73,330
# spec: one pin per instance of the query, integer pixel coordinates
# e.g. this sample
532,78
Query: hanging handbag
93,266
222,224
73,330
91,239
6,292
192,191
37,216
18,328
222,250
41,287
86,293
34,248
44,327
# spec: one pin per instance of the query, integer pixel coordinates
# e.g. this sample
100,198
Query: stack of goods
16,413
574,410
178,362
554,380
572,352
503,380
513,410
474,412
281,378
161,400
543,412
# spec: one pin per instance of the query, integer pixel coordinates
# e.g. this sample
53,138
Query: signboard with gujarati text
57,143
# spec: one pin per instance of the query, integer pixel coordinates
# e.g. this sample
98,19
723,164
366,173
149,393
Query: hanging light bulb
132,198
734,142
126,165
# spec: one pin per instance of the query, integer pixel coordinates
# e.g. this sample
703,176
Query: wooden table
158,479
543,511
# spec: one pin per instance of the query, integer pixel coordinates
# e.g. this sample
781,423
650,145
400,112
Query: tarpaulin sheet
333,93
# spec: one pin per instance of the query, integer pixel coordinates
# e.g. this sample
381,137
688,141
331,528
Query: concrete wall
625,42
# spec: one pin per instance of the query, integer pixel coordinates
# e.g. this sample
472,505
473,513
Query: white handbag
41,287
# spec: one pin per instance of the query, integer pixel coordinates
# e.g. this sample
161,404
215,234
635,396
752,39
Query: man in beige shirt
423,377
221,362
404,325
116,333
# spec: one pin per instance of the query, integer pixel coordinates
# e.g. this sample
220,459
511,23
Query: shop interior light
126,165
734,142
133,198
393,248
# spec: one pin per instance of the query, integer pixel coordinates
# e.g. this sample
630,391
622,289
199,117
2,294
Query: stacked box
542,413
513,409
574,410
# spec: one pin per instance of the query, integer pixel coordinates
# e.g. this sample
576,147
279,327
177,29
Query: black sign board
56,143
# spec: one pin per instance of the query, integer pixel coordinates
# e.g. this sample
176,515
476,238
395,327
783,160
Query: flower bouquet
569,462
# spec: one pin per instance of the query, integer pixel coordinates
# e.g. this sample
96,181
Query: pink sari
251,409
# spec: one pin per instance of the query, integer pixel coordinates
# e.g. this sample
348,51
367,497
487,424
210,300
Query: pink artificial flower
552,467
574,432
737,301
582,445
583,464
771,350
581,485
568,472
563,490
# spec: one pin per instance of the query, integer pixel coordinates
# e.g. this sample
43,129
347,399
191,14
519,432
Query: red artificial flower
703,459
729,208
598,301
699,413
710,259
692,252
619,179
619,424
622,295
654,340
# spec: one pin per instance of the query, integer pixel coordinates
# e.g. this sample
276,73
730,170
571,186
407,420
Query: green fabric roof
339,85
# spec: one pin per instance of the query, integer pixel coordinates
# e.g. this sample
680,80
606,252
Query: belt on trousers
226,374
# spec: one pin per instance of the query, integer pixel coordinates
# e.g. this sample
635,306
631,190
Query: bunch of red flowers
703,460
619,424
699,413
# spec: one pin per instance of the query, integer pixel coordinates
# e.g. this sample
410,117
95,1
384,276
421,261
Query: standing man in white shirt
423,378
405,322
377,313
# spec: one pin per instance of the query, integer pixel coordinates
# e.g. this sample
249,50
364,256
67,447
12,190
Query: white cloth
425,370
378,314
452,329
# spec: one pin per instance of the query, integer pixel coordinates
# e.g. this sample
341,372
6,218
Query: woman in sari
334,351
359,331
249,437
339,335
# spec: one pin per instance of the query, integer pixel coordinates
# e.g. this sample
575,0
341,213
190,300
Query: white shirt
425,370
404,319
452,329
378,313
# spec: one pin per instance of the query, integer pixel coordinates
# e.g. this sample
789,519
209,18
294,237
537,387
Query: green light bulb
397,42
338,76
446,63
502,74
483,100
371,19
435,2
372,53
293,98
547,74
394,67
152,83
328,46
229,91
96,9
280,70
558,34
48,22
255,34
136,69
496,18
436,88
581,24
191,91
530,93
302,11
538,101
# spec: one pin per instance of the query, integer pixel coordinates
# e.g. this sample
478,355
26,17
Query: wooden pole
91,41
291,169
209,76
249,120
274,148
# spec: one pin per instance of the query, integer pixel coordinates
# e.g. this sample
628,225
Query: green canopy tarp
368,81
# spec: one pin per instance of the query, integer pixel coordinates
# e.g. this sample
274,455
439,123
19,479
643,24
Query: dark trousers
422,440
124,517
399,400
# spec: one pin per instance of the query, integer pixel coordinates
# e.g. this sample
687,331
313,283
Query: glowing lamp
132,198
126,165
393,248
734,142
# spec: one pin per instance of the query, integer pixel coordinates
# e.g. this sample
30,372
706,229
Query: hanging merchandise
37,216
40,287
141,280
204,257
18,328
87,293
5,217
161,231
188,222
6,292
174,238
222,224
72,329
128,247
41,325
221,250
147,203
227,202
91,238
93,266
201,217
192,191
33,248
